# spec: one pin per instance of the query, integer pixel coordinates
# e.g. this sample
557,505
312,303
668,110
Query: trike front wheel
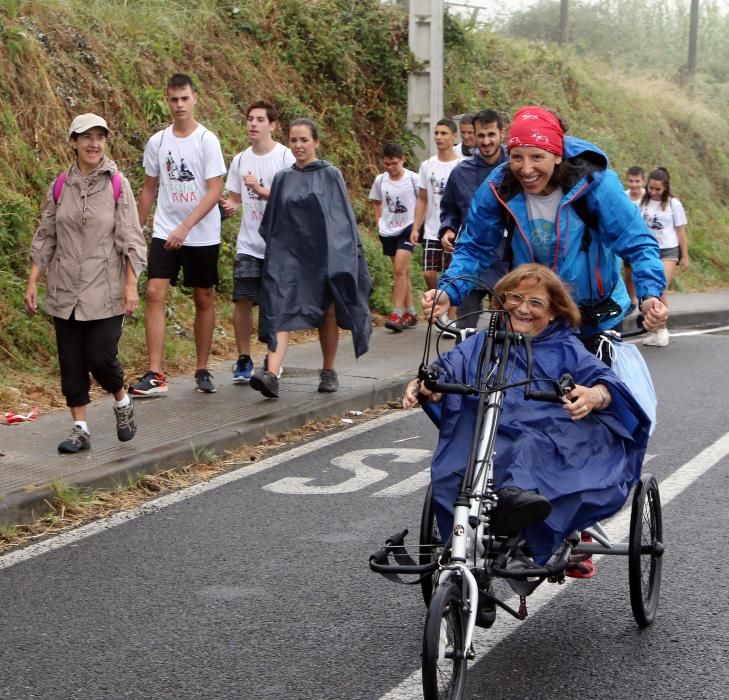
645,550
431,543
444,652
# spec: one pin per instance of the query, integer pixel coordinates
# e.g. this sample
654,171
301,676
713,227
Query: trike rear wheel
645,550
444,652
431,543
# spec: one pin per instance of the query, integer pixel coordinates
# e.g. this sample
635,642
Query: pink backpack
60,181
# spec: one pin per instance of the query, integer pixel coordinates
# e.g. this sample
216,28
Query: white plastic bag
629,365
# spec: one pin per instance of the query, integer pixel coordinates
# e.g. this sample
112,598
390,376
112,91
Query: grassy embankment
342,63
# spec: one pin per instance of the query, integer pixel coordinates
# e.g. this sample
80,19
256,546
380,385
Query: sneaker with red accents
149,384
409,321
394,322
581,565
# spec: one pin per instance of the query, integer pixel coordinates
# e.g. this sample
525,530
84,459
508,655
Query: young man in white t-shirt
186,161
432,179
468,145
249,183
635,179
394,194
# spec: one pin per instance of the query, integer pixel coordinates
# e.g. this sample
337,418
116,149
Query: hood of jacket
314,165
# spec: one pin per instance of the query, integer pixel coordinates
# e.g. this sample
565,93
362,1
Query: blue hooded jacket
593,276
584,468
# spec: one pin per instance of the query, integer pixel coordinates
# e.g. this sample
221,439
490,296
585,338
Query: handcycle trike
457,572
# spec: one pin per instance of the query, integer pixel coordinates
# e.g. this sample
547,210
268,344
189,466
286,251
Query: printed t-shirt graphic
183,165
264,166
663,222
432,178
542,217
398,201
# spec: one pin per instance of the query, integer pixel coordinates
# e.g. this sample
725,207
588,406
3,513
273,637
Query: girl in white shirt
666,218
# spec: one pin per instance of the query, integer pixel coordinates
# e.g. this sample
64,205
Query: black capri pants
88,346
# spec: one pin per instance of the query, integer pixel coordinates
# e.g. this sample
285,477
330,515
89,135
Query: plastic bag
629,365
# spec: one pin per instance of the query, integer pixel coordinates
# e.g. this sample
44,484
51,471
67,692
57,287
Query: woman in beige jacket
91,247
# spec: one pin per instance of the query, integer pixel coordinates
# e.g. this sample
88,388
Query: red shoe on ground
409,321
581,565
394,323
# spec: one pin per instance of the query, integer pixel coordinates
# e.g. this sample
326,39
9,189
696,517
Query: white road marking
230,477
410,485
617,528
364,475
704,331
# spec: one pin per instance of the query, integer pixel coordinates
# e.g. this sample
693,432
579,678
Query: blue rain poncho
584,468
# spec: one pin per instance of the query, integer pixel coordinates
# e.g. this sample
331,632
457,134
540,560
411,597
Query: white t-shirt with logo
542,212
432,178
663,222
183,165
398,201
264,167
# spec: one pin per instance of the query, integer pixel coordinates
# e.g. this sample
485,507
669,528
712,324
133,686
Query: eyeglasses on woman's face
511,300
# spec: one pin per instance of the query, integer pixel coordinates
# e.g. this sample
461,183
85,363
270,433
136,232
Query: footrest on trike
404,563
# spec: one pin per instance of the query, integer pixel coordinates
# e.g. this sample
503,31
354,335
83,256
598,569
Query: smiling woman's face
528,305
533,167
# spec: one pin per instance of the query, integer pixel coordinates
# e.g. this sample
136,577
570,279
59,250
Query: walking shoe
266,382
242,369
662,337
328,381
265,367
126,425
409,321
445,321
394,322
517,509
204,381
77,439
581,565
656,338
149,384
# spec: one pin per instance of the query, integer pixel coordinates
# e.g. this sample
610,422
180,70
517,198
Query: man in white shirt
186,161
432,179
249,183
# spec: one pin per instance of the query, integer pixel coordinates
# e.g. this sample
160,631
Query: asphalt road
259,588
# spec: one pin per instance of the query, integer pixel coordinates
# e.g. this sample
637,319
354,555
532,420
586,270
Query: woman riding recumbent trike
539,441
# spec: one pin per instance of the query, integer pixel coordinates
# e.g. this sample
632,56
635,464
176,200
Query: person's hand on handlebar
415,388
442,303
655,313
583,400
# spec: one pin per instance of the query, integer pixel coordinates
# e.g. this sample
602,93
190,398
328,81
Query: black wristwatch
645,298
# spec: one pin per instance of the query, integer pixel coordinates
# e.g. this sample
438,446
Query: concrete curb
21,508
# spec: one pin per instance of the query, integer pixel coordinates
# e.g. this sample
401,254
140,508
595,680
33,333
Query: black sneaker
266,382
126,426
78,439
517,509
204,381
329,382
149,384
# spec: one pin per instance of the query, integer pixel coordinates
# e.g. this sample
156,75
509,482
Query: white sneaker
445,321
657,338
662,337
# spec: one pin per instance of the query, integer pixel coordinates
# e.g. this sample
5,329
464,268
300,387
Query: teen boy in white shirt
186,161
249,183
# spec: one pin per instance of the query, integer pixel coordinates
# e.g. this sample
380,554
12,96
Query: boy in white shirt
394,194
635,179
186,161
249,183
432,179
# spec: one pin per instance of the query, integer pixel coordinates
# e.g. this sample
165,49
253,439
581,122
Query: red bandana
536,126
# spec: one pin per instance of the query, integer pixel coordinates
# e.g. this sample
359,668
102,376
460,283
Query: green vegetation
343,63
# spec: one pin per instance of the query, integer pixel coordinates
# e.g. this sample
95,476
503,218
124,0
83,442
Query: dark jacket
462,185
314,257
584,468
